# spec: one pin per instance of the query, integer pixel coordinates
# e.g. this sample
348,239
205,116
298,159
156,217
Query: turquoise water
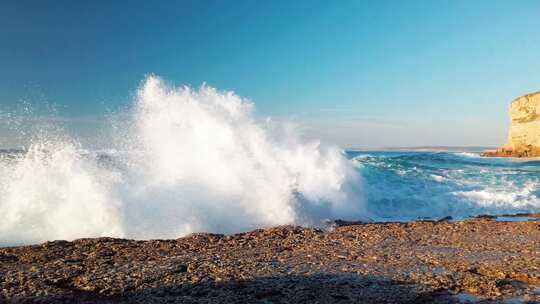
413,185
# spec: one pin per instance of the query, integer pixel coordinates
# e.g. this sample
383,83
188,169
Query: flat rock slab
480,260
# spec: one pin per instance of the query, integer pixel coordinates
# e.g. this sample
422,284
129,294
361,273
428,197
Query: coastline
423,261
518,159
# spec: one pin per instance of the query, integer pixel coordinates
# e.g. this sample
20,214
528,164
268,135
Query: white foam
51,192
504,199
438,178
199,161
468,154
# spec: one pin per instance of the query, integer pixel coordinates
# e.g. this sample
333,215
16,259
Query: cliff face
524,134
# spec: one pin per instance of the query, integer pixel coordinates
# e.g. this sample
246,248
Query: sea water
412,185
183,160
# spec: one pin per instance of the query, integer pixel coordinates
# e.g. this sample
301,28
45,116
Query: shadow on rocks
321,288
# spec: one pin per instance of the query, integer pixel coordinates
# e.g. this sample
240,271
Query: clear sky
358,73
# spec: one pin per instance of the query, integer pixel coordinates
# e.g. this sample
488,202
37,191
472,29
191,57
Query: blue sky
357,73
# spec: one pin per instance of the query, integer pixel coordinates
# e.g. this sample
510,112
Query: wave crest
198,160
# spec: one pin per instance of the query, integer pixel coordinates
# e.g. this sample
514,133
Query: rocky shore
478,260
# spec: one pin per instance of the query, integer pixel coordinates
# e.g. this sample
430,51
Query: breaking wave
182,160
193,160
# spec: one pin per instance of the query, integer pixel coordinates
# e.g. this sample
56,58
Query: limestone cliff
524,134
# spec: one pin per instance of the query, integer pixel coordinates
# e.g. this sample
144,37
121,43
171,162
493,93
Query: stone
524,133
416,262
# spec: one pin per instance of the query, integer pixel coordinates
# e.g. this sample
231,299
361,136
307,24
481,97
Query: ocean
405,186
183,160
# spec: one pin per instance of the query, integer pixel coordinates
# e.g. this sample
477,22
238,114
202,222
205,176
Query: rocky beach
485,259
269,152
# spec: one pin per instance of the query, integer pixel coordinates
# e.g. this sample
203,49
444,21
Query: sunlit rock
524,133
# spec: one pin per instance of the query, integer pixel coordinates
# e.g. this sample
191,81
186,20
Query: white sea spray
192,160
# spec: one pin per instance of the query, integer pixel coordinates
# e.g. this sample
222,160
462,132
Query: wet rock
445,219
486,217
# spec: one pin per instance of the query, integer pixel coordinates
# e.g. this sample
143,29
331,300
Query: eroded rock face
524,134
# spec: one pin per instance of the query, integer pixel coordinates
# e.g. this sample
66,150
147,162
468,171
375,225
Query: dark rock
445,219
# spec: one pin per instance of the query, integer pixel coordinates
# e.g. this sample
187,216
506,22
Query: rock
182,268
489,272
445,219
486,217
426,262
524,134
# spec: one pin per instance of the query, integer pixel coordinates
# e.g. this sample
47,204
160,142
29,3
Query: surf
193,160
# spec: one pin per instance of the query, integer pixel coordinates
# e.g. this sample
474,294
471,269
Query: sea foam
196,160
